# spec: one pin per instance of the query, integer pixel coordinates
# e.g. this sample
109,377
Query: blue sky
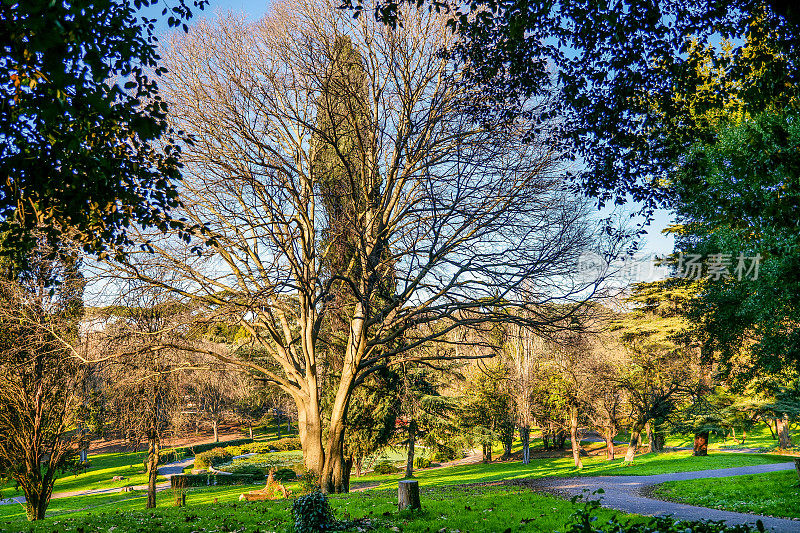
655,243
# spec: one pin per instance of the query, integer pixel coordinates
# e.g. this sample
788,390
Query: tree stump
180,500
408,495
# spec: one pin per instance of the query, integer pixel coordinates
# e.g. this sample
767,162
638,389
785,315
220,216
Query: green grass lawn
104,467
465,509
646,464
744,494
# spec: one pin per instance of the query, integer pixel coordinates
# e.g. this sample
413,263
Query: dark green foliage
312,513
86,150
616,64
284,474
739,196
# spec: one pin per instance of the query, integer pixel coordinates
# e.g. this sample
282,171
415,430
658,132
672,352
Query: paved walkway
626,493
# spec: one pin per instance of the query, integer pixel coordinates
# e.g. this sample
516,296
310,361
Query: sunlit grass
743,494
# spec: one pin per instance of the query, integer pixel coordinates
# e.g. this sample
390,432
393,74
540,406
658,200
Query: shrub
443,454
189,451
384,467
284,474
260,447
287,444
213,457
422,462
312,513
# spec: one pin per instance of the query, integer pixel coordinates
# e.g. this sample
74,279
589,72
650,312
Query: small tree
40,307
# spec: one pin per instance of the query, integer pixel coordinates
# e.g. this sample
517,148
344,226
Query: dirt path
627,493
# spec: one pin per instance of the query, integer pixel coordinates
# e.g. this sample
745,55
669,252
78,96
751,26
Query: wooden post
408,495
180,500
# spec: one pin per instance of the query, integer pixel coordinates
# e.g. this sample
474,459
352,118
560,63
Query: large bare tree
448,220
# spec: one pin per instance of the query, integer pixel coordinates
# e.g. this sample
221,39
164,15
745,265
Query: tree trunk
408,495
37,496
574,437
508,442
546,440
649,430
412,436
359,462
633,445
152,468
782,429
35,506
487,452
658,442
608,435
216,433
700,444
525,437
250,427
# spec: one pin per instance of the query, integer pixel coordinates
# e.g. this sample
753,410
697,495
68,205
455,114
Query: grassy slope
744,494
455,508
646,464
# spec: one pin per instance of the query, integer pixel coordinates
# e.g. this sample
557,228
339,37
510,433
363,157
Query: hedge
188,451
182,481
213,457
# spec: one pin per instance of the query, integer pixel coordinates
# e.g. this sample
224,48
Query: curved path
626,493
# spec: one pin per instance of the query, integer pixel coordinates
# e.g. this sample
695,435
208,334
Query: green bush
213,457
312,513
384,467
422,462
284,474
287,444
189,451
442,454
260,447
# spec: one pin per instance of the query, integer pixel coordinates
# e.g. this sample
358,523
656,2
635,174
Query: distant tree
86,150
663,367
40,308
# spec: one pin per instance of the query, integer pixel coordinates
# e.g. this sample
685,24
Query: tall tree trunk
649,429
37,497
608,435
633,445
152,468
546,439
782,429
700,444
574,437
412,436
250,427
216,432
525,437
358,463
